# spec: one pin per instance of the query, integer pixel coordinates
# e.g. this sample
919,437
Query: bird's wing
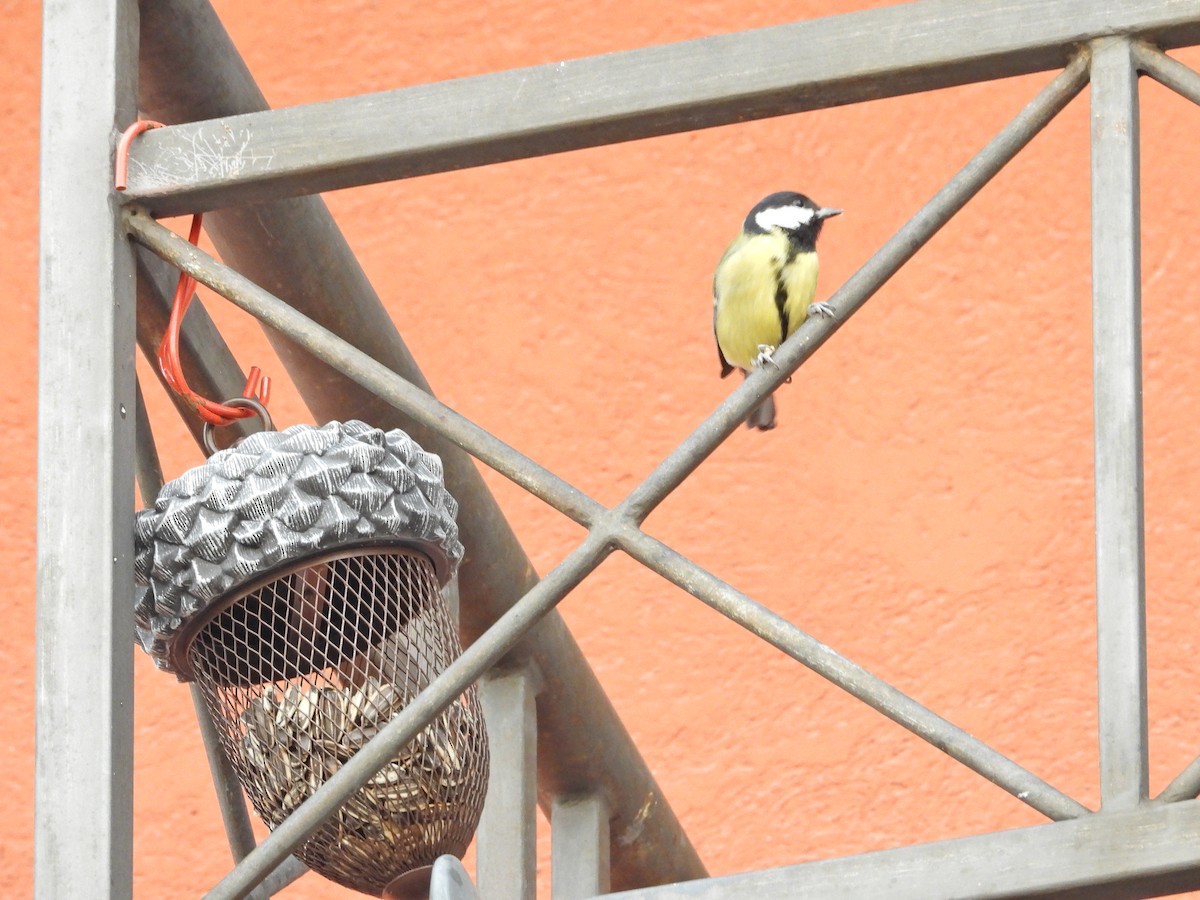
734,246
726,368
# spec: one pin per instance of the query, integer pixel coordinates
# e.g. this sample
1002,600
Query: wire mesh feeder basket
297,580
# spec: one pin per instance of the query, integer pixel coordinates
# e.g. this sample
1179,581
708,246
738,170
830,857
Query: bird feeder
296,578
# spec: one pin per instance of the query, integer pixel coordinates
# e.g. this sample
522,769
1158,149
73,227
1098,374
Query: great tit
764,286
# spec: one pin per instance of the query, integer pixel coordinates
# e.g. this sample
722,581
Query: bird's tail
762,416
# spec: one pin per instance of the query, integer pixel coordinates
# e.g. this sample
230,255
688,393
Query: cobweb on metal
300,673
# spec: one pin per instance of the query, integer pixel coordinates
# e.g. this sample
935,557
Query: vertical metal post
506,843
579,834
84,758
1117,361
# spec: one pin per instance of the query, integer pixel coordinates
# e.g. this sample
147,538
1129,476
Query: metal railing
901,49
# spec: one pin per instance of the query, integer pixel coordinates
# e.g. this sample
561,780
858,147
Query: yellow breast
745,289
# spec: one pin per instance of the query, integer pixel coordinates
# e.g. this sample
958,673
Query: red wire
168,350
127,136
172,367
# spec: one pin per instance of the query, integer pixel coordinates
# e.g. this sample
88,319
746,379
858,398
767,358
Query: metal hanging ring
207,438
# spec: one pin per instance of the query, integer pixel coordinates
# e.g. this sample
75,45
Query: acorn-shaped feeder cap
273,500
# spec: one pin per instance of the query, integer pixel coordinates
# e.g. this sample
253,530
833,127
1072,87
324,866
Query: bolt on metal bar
506,841
458,676
1117,364
376,377
849,676
1185,785
230,800
1166,71
83,779
859,288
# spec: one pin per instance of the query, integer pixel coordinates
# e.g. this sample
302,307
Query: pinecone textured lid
276,498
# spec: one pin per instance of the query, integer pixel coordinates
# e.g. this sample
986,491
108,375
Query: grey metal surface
579,847
1184,786
450,881
1146,852
190,70
633,94
1167,71
234,815
147,468
287,872
83,790
1117,364
905,711
506,843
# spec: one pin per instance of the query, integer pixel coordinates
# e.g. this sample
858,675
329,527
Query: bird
764,286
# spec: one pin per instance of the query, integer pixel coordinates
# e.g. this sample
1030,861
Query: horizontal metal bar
849,676
1185,785
458,676
860,287
421,406
1146,852
1166,71
624,96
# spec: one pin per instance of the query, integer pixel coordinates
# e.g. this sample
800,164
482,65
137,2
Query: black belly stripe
781,305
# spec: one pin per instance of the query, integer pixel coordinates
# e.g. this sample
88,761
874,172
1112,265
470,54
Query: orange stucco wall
924,507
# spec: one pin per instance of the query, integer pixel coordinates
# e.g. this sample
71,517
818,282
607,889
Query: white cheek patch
789,218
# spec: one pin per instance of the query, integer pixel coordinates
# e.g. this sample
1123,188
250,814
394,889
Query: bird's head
791,213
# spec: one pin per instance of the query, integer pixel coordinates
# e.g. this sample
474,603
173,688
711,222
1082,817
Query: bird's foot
821,309
765,355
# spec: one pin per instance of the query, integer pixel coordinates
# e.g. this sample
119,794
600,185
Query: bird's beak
826,212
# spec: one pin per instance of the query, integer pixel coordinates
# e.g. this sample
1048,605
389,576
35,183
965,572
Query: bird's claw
821,309
765,355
